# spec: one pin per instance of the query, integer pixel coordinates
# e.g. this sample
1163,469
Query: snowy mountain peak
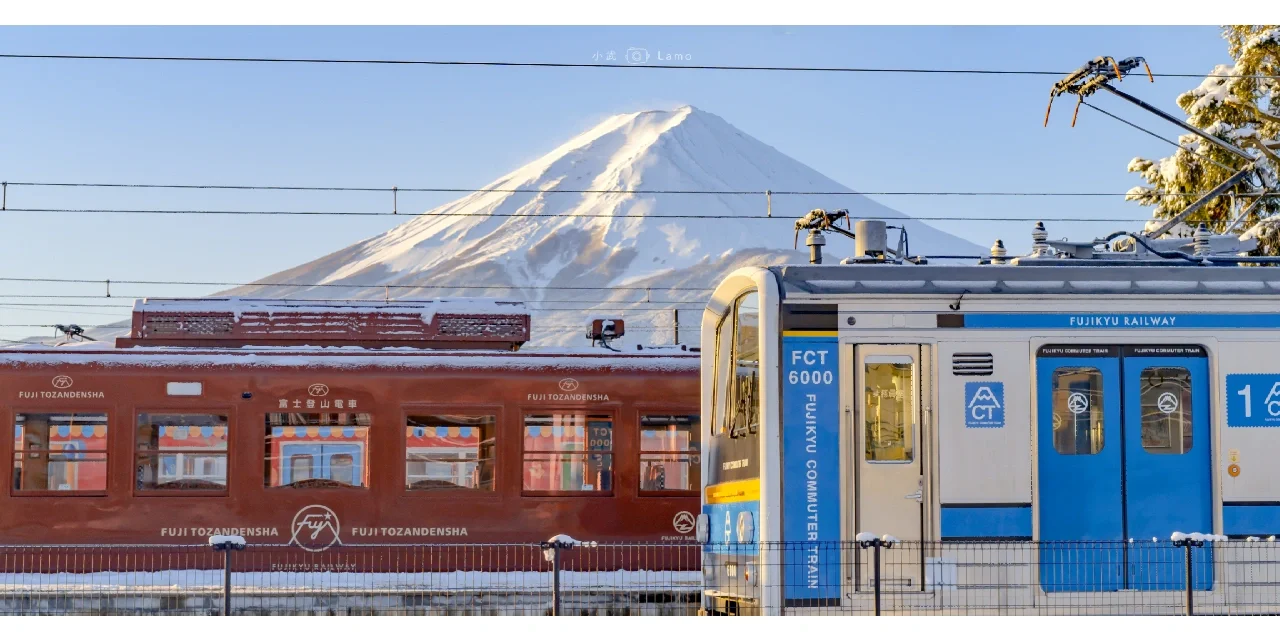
611,206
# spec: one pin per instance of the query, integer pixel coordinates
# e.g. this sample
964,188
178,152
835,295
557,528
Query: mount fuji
610,208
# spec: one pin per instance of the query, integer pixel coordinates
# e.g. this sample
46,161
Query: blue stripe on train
1251,519
996,521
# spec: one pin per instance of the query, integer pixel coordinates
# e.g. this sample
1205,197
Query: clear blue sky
361,125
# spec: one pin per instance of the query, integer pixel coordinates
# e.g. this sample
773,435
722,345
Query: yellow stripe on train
737,491
804,333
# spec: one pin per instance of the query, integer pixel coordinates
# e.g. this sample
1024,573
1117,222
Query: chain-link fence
865,577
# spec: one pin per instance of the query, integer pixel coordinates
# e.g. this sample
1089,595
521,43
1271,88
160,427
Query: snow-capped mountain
602,238
560,222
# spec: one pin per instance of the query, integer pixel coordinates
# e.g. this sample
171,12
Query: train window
735,339
890,409
181,452
316,450
64,452
669,453
745,411
1166,409
450,452
300,467
568,452
1077,411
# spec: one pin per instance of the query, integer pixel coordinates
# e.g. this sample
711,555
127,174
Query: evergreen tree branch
1259,113
1253,141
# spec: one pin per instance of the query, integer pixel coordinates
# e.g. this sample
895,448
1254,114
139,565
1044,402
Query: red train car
331,423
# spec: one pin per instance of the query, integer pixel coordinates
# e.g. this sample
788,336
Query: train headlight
746,527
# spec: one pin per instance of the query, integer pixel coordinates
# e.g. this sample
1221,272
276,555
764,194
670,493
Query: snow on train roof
238,306
1025,279
661,358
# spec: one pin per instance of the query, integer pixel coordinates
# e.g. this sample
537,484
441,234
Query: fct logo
984,405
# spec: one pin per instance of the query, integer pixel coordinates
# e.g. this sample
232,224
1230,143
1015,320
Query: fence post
1187,541
555,580
226,544
875,572
870,540
551,551
226,581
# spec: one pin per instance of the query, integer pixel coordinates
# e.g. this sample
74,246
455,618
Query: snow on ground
193,579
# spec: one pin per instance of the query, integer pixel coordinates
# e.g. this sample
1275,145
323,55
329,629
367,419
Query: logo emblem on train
568,384
1167,402
62,382
315,528
684,522
318,390
1078,403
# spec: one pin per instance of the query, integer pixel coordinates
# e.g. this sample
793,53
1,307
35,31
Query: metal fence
867,577
1187,577
427,579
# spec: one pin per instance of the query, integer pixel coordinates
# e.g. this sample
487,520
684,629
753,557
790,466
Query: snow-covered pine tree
1240,104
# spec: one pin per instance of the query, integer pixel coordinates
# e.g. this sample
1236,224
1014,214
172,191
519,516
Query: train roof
662,358
1024,279
1156,261
445,323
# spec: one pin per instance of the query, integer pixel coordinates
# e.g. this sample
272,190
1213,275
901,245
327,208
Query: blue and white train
1074,394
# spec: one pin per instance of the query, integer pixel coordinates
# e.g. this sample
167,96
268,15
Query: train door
889,450
1123,458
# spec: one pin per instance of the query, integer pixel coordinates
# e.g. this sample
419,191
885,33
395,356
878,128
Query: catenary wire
715,192
679,216
199,283
134,296
567,65
1163,139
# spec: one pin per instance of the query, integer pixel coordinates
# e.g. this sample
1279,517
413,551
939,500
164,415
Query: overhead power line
127,296
561,65
199,283
707,192
667,306
677,216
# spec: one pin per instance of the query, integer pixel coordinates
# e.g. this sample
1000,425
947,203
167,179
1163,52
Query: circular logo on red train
318,390
62,382
684,522
568,384
315,528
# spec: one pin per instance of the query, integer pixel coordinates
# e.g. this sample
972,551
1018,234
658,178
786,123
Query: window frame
1186,400
732,382
724,396
38,493
1091,370
499,430
610,410
179,493
365,449
638,442
913,431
